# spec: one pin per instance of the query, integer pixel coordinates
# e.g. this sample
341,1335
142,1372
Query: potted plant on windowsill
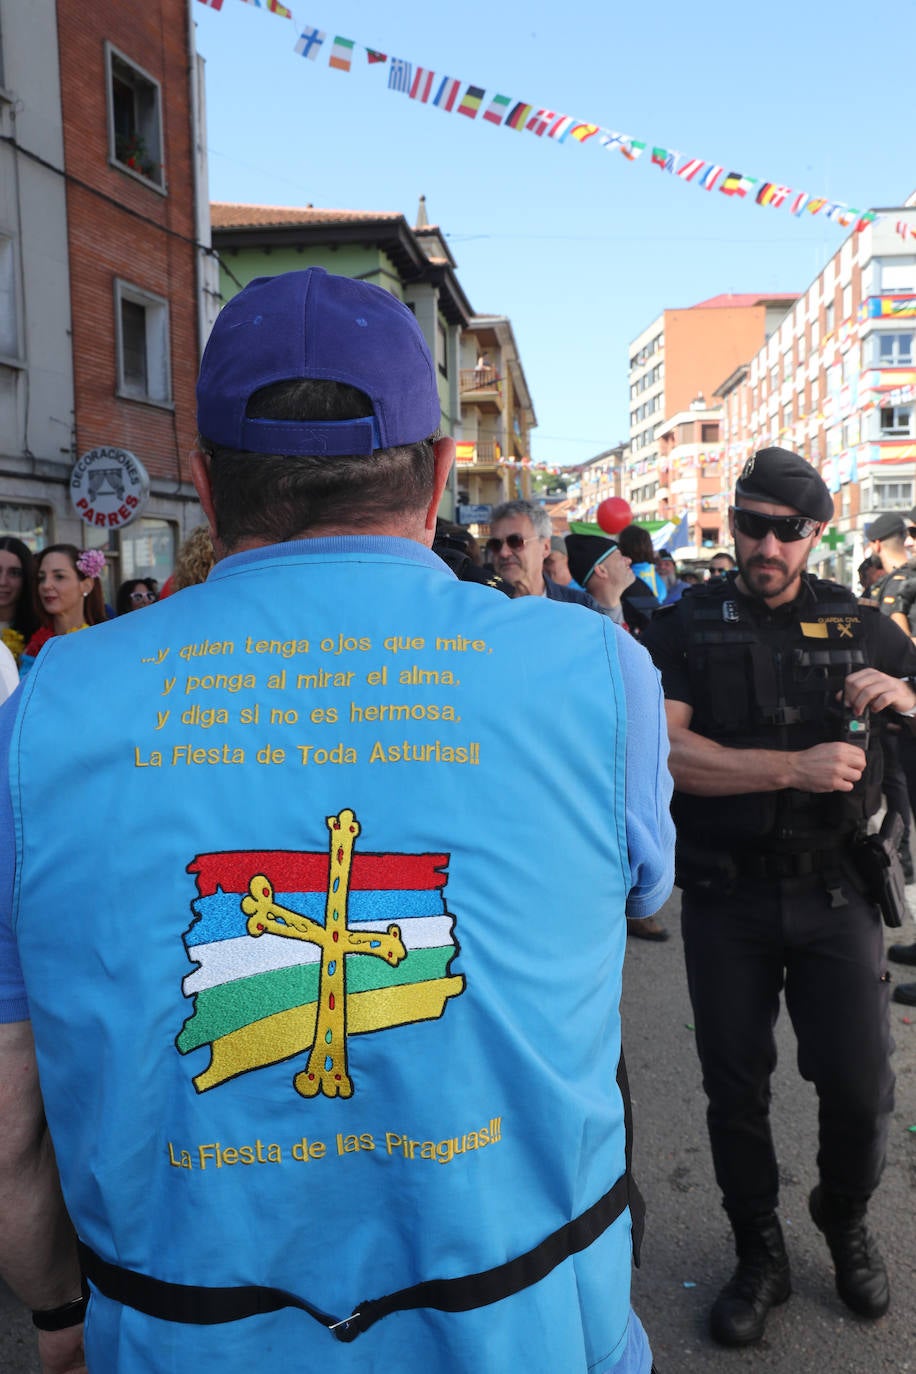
131,151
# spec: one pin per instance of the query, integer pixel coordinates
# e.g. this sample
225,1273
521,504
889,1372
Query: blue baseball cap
314,325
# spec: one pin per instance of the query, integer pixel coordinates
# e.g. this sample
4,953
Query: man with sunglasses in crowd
769,675
520,534
720,565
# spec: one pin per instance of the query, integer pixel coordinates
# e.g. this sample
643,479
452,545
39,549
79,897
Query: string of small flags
445,93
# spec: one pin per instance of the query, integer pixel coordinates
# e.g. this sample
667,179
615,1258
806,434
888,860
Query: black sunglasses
786,528
513,541
911,531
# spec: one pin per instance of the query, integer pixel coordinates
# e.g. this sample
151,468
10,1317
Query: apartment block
836,382
678,359
497,416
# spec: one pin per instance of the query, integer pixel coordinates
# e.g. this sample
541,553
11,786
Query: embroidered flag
867,218
664,159
373,56
690,169
539,123
268,984
632,148
815,205
903,229
447,93
583,132
497,108
400,75
214,4
309,44
422,84
841,214
518,116
342,54
276,8
470,102
799,203
710,177
560,128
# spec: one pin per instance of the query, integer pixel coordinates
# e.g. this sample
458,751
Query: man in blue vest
327,1046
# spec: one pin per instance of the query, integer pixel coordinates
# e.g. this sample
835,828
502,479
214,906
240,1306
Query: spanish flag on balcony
465,452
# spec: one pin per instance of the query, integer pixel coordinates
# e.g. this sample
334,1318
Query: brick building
112,125
678,359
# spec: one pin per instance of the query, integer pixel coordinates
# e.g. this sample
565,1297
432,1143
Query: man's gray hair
540,520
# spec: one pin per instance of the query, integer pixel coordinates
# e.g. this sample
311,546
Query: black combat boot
760,1282
861,1277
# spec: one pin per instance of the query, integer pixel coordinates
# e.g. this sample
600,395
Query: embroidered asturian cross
326,1071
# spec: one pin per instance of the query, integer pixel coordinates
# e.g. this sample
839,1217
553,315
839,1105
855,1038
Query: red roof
746,298
228,216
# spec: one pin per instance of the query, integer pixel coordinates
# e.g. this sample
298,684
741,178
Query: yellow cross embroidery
326,1071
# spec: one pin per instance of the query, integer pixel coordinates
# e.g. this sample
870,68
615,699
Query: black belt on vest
200,1306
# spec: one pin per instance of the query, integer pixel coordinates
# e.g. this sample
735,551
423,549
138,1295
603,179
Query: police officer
895,592
895,595
764,673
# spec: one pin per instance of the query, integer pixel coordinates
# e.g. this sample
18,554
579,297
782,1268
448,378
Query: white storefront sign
109,487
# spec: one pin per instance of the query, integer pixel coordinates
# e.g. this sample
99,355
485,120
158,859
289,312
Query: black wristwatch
59,1318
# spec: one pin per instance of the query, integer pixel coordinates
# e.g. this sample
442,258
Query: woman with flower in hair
69,594
18,616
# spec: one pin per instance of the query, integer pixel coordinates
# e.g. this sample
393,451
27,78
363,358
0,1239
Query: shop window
31,524
147,549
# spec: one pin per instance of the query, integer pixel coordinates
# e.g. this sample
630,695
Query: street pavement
687,1254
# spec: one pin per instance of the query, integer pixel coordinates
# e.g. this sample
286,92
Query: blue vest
320,893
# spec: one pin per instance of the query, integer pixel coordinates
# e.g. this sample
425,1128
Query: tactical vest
320,907
761,681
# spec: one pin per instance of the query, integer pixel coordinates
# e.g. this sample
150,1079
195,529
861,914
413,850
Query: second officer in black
771,678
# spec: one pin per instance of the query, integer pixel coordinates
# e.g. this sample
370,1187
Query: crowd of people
328,1021
60,590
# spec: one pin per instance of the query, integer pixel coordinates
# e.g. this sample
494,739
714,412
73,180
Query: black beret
785,479
584,551
886,526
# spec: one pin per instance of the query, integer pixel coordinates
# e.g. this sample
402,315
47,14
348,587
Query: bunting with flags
419,82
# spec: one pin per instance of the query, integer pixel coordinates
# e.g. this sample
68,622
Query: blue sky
580,248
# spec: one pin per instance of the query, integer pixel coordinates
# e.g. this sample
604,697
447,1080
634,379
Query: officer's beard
766,577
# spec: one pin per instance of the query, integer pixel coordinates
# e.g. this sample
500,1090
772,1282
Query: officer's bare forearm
703,768
37,1246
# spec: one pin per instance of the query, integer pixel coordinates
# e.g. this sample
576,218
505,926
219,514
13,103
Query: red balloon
614,514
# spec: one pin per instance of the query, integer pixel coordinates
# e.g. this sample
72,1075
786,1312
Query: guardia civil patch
300,952
830,627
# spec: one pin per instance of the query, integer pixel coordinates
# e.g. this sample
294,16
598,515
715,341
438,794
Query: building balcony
481,386
481,452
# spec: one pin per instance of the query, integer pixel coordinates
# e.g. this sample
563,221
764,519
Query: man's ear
200,476
443,458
